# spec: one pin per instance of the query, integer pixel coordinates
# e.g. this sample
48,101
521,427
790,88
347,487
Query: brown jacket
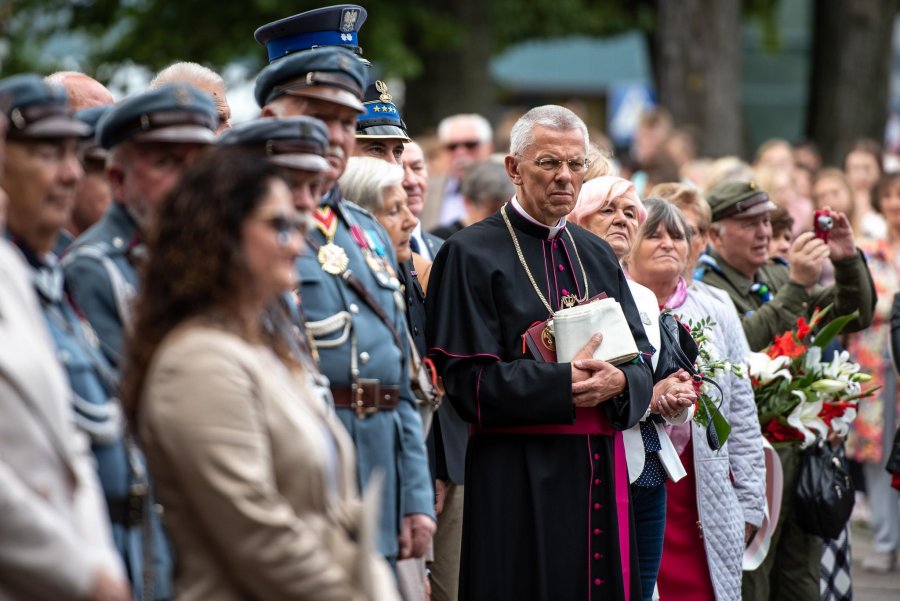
256,475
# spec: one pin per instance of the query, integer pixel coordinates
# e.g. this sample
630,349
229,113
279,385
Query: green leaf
834,327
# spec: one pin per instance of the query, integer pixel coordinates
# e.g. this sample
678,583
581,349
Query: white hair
189,72
365,180
482,126
551,116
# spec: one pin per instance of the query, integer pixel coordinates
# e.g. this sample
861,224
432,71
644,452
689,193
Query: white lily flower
829,386
766,369
805,418
813,358
841,425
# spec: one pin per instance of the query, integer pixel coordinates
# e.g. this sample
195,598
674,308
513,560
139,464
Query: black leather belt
127,511
366,397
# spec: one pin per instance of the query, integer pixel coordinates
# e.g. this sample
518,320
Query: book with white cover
574,327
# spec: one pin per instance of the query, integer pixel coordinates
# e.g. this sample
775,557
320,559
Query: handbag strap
686,364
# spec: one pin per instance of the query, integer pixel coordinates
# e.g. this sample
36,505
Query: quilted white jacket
730,482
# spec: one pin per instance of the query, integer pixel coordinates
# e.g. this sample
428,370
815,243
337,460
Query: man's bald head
84,91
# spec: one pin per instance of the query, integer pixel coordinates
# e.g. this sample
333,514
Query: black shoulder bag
824,497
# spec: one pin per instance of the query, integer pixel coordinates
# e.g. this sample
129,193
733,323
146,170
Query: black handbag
824,497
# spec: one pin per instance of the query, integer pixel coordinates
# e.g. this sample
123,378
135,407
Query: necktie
414,245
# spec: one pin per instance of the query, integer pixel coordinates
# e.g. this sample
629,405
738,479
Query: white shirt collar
424,251
552,231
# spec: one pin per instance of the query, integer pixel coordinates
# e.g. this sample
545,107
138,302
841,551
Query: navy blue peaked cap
328,26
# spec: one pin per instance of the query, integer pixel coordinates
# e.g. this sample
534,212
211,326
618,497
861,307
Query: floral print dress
871,349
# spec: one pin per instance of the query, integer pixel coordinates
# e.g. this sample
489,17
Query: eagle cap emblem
349,17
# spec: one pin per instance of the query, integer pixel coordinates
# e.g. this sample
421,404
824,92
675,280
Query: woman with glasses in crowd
256,474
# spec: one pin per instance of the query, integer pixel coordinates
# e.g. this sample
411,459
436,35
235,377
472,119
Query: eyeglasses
551,164
468,144
284,226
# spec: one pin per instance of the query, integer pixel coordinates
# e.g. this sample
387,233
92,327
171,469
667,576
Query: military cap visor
54,126
331,74
742,207
382,132
173,113
323,91
37,110
297,142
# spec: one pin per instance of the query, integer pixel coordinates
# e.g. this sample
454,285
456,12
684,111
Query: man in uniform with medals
546,512
349,292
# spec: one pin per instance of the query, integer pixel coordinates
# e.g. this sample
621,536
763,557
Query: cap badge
382,89
18,120
348,20
752,185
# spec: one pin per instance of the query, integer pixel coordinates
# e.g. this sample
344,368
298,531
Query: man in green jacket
769,298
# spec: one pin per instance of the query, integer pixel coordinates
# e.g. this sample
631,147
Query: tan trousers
447,547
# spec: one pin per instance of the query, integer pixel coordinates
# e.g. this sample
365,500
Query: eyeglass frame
582,165
284,227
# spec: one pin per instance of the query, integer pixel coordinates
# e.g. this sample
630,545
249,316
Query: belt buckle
359,389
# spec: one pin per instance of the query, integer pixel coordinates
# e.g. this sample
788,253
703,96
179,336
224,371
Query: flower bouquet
709,368
801,395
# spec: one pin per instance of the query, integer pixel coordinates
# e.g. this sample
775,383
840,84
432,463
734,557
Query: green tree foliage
216,32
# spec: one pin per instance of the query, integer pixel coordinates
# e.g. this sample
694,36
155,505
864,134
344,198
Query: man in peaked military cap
349,290
769,298
380,131
297,143
152,138
57,533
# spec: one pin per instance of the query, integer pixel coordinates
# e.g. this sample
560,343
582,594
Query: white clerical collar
552,231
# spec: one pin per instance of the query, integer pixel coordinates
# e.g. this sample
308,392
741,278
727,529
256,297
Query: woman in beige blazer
255,473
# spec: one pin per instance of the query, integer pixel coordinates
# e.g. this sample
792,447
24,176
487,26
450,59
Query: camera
822,224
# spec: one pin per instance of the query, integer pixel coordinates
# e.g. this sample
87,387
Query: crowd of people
280,360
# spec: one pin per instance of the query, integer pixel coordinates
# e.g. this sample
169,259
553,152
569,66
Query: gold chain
528,271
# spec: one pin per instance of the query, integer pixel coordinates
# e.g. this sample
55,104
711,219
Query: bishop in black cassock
546,505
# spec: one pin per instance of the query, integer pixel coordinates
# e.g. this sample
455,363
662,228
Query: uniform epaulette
352,205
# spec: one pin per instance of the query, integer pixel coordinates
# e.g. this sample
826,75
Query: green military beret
738,200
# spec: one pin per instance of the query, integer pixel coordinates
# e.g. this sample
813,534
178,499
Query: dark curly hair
195,264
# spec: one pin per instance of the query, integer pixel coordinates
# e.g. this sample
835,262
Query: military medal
373,262
331,257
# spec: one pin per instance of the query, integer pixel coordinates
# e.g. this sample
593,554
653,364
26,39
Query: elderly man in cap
769,298
152,138
349,289
55,532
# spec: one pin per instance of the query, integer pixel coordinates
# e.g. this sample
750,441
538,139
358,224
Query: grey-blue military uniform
101,265
358,352
355,345
101,270
135,524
